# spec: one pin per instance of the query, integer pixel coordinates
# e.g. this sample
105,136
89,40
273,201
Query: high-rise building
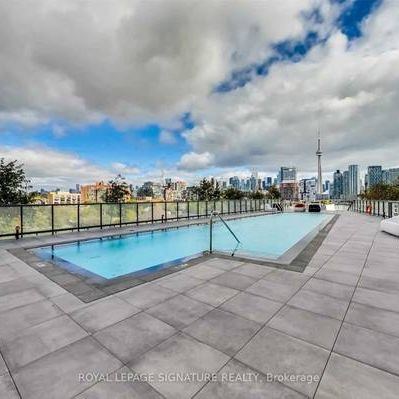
354,181
288,183
327,186
394,176
308,189
345,185
374,175
234,182
93,192
337,185
287,174
62,197
319,176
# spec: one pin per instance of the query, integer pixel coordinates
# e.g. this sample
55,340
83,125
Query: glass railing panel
65,217
145,212
36,218
193,208
202,208
111,214
218,206
9,219
129,213
159,211
182,210
90,215
171,210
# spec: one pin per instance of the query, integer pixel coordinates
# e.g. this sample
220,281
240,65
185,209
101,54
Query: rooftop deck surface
226,327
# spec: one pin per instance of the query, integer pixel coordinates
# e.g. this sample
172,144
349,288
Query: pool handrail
215,213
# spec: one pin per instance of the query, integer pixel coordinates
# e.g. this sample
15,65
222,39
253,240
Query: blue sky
105,143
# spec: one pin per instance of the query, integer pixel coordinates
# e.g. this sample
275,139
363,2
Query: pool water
267,236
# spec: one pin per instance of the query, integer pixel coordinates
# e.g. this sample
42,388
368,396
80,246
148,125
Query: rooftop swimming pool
266,237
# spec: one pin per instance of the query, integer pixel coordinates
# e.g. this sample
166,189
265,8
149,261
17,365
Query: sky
192,88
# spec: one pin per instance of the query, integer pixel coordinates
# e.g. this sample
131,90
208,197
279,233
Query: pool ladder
217,214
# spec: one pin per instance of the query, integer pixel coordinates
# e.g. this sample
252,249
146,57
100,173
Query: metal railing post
52,219
120,214
78,216
152,213
21,220
210,234
101,216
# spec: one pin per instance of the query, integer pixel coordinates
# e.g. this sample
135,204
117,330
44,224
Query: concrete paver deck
336,325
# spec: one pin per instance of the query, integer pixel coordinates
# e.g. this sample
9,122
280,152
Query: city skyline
208,99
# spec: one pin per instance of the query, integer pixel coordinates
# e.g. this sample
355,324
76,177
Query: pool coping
89,287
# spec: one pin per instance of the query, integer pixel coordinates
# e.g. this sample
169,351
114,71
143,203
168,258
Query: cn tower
319,177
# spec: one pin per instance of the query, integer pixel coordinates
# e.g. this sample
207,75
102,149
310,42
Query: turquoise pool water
267,236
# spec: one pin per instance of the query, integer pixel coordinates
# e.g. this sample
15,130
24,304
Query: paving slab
3,367
388,284
179,311
223,264
279,292
103,313
7,273
347,379
224,331
57,374
147,295
15,321
133,336
378,299
237,381
337,276
273,352
179,283
252,307
212,294
180,355
234,280
293,279
335,290
254,270
41,340
373,318
202,272
311,327
7,387
68,302
117,387
318,303
371,347
21,298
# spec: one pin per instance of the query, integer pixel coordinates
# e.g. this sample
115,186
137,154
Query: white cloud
194,161
350,89
48,168
125,170
130,60
167,137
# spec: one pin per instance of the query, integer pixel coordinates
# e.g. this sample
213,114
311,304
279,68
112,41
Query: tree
232,193
145,191
382,191
117,191
14,185
273,193
207,190
256,195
